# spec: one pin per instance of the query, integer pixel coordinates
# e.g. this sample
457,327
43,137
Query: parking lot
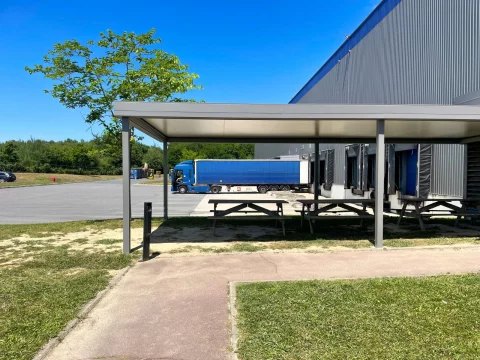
86,201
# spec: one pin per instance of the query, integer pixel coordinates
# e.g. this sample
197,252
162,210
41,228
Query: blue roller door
412,159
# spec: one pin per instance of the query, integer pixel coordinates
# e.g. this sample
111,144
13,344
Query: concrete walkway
203,208
176,308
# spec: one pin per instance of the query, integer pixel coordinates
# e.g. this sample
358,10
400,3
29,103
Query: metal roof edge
372,20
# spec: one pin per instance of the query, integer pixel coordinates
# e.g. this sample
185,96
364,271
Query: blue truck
202,176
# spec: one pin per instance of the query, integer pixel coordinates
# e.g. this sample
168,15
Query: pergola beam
148,129
313,140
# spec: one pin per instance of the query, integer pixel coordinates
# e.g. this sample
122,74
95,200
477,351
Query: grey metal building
405,52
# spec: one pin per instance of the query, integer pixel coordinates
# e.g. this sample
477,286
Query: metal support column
316,175
165,180
379,183
127,210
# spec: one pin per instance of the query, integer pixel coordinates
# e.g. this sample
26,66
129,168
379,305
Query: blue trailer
202,176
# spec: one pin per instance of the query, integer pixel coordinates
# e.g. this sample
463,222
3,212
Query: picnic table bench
311,214
255,208
421,210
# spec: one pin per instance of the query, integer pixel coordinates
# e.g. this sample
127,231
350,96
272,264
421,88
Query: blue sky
245,51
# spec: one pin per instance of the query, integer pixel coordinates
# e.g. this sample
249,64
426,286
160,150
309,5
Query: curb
54,342
233,318
327,251
54,184
24,186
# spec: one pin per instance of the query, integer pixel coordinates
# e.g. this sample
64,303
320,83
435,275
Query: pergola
294,123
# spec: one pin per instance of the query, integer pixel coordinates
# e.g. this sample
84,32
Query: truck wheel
262,189
215,189
274,188
182,190
285,188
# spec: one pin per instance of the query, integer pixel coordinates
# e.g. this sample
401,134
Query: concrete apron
177,308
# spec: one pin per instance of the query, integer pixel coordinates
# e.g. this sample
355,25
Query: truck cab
183,177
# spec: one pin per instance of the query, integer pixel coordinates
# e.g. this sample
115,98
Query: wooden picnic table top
415,199
246,201
336,201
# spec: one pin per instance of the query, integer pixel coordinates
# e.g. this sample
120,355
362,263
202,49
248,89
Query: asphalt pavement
86,201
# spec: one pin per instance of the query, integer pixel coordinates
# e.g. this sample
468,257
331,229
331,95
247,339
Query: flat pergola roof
302,122
293,123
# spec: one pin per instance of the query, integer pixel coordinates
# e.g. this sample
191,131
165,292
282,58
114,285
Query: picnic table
431,209
346,205
254,206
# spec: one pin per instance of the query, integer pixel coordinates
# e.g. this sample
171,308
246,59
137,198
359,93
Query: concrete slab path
176,308
203,208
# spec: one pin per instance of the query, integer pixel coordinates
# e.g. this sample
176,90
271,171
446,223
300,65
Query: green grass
9,231
403,318
80,241
154,182
40,296
108,241
328,234
26,179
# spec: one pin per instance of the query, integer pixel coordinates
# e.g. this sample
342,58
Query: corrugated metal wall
444,159
422,52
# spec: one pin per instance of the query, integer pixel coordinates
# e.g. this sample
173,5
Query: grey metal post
165,180
147,229
316,175
379,183
127,211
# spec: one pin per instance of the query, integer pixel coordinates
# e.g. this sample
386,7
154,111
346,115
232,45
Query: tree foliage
154,158
127,66
94,157
8,153
178,152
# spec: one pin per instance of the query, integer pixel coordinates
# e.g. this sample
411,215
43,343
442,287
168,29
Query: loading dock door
473,170
412,160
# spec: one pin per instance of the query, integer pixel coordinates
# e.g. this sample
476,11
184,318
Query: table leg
419,215
278,213
459,217
364,207
283,227
311,226
402,213
302,215
214,221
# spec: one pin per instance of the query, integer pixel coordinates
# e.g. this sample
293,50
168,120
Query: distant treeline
99,157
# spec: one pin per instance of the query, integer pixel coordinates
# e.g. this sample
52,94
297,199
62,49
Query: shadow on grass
200,229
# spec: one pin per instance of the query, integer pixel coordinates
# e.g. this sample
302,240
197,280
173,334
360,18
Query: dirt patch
74,271
166,234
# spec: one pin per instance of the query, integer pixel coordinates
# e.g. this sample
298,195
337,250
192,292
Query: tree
8,154
123,66
154,158
188,154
